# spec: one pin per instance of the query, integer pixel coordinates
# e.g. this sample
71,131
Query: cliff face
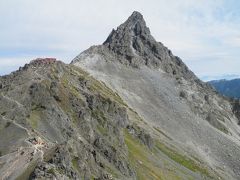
166,95
57,121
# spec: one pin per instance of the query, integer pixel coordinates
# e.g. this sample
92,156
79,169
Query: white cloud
205,34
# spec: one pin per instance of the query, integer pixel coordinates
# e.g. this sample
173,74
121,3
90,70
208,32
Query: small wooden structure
44,61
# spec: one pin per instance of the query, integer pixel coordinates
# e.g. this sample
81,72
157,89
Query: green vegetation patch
51,171
100,87
99,116
75,163
70,86
34,118
151,164
142,159
102,130
183,160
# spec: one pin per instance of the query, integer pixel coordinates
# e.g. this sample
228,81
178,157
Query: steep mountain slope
127,109
230,88
57,122
167,95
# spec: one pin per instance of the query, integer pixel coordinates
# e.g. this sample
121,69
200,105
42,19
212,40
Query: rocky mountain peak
136,16
134,26
134,45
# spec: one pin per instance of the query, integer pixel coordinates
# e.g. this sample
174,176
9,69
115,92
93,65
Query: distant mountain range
230,88
219,77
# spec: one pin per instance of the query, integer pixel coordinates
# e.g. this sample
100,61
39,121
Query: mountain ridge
132,42
126,109
67,125
165,93
229,88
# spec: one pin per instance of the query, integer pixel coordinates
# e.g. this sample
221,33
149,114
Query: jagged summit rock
135,26
133,45
128,37
136,16
160,88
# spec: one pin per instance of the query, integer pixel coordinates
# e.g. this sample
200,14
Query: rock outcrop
58,122
159,87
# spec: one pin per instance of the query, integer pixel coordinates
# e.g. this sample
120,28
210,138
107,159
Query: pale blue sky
204,33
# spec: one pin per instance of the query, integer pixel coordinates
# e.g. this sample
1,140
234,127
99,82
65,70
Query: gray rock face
236,108
57,122
167,95
134,45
